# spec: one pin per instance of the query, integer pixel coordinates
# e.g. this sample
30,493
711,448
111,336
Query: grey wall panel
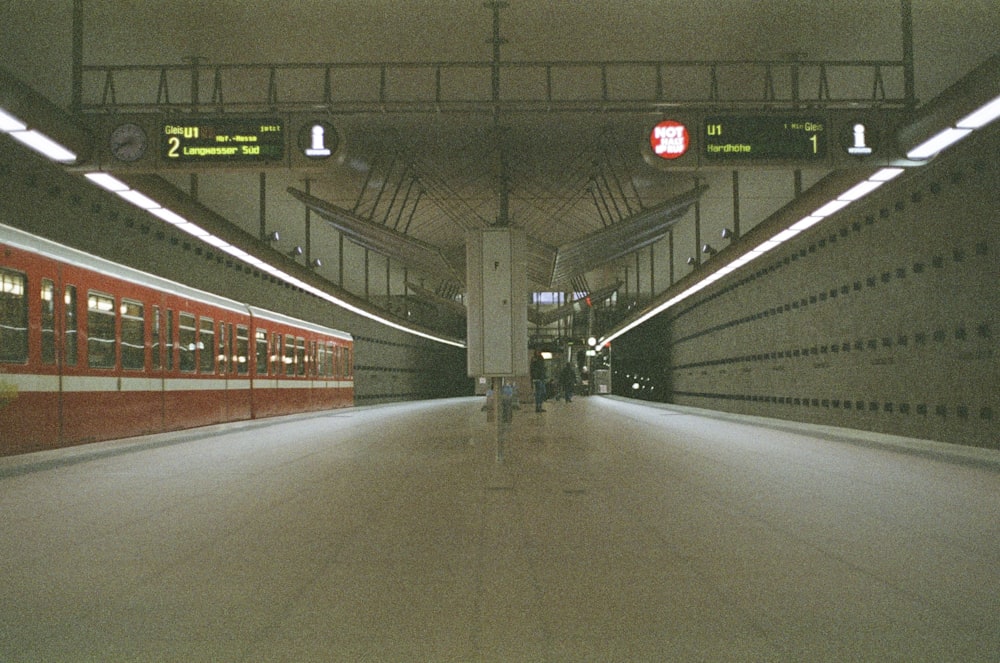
884,317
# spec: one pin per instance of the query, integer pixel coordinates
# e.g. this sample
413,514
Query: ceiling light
106,181
937,142
45,145
860,190
192,229
9,122
215,241
765,247
805,222
168,215
886,174
982,116
785,235
139,199
831,207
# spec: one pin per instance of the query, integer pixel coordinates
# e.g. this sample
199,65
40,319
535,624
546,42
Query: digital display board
753,137
226,140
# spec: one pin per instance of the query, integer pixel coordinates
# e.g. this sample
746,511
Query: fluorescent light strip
860,190
831,207
44,145
139,199
937,142
856,192
886,174
192,229
982,116
167,215
9,122
17,129
977,119
805,222
108,182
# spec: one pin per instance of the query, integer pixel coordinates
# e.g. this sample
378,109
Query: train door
29,391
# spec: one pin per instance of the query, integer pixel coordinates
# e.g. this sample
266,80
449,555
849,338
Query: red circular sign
669,139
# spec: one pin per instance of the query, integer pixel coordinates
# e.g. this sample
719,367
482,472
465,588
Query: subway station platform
609,530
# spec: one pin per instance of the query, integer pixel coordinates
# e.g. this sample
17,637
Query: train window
330,349
155,340
187,342
48,321
231,357
275,354
206,345
321,359
242,350
170,339
100,330
133,335
260,338
69,299
13,318
222,356
289,355
348,364
300,356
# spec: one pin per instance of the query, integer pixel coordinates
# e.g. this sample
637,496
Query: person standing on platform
538,380
567,380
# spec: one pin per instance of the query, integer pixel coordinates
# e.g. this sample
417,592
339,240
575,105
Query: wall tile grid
882,318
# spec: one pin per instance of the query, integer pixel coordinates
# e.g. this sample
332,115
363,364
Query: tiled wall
884,317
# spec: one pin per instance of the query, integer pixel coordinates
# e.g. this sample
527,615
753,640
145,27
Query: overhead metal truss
622,238
527,86
378,238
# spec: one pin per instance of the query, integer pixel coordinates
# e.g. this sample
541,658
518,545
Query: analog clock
128,142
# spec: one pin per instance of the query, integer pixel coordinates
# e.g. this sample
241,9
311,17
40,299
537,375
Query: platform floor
609,531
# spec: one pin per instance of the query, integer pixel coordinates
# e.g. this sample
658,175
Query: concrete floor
611,531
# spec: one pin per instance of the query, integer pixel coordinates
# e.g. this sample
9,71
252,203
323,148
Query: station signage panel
764,137
222,140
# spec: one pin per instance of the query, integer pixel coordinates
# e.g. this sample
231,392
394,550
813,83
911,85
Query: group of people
539,380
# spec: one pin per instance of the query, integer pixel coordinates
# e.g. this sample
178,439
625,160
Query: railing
625,85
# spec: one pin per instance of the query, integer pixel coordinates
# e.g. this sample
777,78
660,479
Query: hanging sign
222,140
669,139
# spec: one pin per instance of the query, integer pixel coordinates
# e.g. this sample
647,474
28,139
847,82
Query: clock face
128,142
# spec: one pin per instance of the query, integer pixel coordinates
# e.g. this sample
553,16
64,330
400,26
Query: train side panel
92,351
107,387
30,399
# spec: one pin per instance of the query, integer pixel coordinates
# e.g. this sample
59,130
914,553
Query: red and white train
91,350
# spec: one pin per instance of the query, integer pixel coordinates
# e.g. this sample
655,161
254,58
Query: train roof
33,243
